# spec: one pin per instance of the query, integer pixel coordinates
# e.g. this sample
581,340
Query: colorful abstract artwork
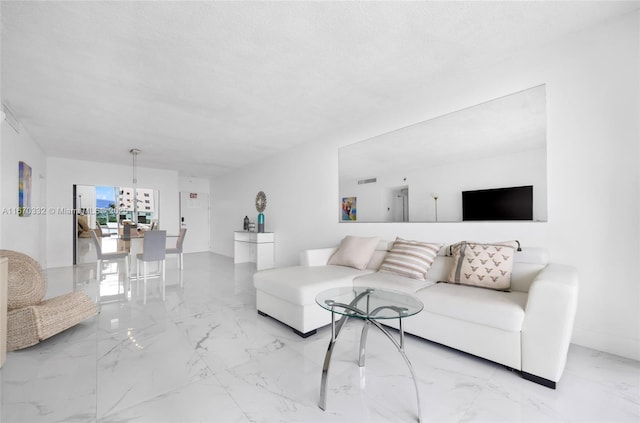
349,208
24,189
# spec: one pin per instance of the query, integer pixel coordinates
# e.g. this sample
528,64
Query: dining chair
100,232
126,232
124,238
102,256
178,248
153,249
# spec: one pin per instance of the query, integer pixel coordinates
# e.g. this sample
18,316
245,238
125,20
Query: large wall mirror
422,172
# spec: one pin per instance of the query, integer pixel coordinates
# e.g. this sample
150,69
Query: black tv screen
514,203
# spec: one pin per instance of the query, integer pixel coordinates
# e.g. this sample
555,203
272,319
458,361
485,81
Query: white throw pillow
410,258
482,265
354,252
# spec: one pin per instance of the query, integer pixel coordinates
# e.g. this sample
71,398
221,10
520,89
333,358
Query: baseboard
627,347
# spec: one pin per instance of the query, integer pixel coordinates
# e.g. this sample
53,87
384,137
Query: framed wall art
349,208
24,189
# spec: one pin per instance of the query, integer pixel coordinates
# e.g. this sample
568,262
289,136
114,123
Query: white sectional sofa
527,328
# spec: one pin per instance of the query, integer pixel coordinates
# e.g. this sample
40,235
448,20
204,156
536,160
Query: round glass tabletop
369,303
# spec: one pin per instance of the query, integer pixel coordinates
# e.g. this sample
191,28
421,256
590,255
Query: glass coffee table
371,305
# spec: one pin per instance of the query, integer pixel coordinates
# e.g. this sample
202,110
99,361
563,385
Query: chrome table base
336,328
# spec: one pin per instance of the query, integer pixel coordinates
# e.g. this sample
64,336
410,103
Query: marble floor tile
205,355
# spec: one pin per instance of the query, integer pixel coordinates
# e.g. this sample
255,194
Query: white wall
24,234
592,172
194,184
2,124
62,174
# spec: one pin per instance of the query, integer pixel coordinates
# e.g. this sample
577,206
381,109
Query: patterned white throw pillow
410,258
515,244
482,265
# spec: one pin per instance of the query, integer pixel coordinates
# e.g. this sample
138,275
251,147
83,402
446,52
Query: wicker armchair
31,319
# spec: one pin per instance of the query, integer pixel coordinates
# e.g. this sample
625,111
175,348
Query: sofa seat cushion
301,284
392,282
498,309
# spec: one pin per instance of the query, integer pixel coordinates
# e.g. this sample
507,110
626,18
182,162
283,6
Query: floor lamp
435,199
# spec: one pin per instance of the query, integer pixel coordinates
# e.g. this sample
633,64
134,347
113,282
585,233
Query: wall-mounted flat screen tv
513,203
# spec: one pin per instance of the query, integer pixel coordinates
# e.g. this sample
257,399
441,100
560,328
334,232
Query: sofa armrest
316,257
548,322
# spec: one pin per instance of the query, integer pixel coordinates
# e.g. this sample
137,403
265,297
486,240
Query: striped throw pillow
410,258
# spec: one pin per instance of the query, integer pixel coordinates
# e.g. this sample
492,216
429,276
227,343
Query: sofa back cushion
526,266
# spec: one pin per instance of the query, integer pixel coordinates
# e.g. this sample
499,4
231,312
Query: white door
194,215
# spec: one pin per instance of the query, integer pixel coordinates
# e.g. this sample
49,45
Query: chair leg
145,282
98,269
127,265
163,278
137,276
126,277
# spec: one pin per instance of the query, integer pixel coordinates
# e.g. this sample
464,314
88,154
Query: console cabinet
255,247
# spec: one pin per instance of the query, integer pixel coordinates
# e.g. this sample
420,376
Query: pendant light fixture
134,155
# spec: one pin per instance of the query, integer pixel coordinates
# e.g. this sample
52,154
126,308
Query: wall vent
367,181
11,118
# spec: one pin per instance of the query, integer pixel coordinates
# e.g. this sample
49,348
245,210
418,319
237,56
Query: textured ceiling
205,87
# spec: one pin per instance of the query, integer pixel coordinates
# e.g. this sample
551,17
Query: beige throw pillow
411,259
482,265
354,252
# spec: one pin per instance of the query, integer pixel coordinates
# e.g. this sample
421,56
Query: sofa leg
305,335
297,332
539,380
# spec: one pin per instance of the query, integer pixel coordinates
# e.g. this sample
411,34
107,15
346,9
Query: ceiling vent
367,181
11,118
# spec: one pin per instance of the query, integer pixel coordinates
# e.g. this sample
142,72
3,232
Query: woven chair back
27,284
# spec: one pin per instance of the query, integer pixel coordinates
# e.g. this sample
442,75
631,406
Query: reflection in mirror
418,173
104,210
